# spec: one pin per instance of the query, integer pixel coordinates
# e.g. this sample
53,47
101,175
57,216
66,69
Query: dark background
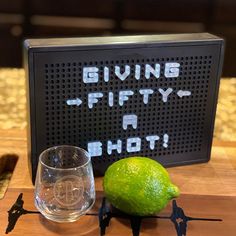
21,19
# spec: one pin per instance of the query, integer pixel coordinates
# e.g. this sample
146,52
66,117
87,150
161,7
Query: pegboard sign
117,97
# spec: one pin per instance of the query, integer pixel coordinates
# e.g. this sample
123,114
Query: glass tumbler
64,186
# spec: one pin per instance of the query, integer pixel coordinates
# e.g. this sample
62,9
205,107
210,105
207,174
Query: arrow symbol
74,102
182,93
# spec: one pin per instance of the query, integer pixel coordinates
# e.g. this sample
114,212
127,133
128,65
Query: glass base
63,218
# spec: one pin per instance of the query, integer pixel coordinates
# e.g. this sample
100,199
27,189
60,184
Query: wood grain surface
207,190
194,205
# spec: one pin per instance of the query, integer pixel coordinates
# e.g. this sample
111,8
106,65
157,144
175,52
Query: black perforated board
55,75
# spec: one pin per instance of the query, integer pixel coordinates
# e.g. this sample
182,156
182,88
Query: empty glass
64,186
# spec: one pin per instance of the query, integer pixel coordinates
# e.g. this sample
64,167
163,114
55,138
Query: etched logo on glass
68,190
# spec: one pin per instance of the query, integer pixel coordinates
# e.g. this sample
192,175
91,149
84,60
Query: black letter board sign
117,97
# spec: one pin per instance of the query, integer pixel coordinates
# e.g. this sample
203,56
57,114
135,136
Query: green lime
138,186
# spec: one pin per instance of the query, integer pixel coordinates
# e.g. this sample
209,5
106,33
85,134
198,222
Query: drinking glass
64,186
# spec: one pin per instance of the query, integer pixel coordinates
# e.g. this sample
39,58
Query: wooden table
208,190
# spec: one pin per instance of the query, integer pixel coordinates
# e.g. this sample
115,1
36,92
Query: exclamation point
165,140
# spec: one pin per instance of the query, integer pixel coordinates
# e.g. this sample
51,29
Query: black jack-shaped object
107,212
15,212
178,217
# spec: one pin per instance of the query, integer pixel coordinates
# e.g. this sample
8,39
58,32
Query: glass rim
61,146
